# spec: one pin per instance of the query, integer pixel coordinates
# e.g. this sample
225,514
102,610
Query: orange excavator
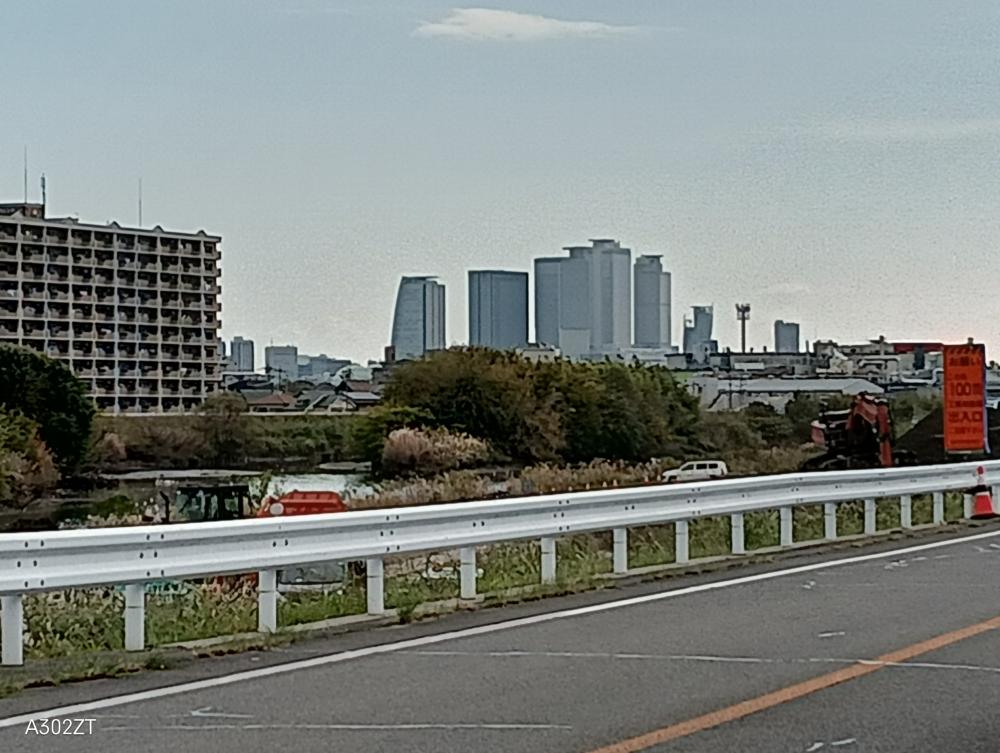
860,436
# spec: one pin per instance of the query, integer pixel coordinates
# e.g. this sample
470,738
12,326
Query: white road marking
496,627
516,654
206,713
915,559
256,726
808,586
942,556
831,634
813,747
601,655
846,741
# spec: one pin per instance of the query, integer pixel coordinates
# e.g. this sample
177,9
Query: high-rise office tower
282,362
418,324
547,299
594,299
786,337
698,340
652,326
498,309
241,354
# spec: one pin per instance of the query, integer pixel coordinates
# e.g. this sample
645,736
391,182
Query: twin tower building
583,305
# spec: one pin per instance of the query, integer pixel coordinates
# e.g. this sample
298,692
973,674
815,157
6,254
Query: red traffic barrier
982,506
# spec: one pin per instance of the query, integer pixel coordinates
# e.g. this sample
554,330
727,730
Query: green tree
46,391
539,412
225,428
484,393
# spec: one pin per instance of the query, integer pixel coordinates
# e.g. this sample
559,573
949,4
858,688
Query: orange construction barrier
983,504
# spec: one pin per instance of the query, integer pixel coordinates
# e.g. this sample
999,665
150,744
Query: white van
696,470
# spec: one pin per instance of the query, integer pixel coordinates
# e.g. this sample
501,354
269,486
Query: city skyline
777,154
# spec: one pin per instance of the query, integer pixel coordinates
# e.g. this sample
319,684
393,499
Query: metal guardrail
131,556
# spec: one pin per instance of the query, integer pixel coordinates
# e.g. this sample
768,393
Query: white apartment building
133,312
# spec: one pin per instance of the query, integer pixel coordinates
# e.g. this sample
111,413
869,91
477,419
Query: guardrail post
869,516
12,627
681,541
467,572
548,559
736,529
937,516
906,511
375,585
785,526
267,601
620,550
966,505
135,616
830,520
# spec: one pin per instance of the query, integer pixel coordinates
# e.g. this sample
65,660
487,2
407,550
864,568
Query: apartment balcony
60,257
31,235
128,300
8,274
8,253
8,331
8,232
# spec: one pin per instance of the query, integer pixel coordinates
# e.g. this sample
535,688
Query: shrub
430,451
27,468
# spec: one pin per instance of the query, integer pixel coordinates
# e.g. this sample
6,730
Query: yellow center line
793,692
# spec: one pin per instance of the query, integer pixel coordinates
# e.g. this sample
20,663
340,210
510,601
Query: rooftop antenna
140,202
44,194
25,173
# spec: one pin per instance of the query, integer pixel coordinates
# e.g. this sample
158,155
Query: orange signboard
965,398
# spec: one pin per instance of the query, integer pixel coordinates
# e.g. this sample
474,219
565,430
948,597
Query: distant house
270,402
345,402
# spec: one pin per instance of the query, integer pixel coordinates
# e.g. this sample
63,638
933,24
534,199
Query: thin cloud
906,131
485,24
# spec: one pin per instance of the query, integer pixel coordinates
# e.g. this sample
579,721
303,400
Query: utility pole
743,316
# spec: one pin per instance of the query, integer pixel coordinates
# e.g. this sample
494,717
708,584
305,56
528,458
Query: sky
834,164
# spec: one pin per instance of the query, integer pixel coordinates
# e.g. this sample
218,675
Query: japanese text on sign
965,398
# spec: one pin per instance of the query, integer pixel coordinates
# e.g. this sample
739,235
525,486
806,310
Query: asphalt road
895,651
